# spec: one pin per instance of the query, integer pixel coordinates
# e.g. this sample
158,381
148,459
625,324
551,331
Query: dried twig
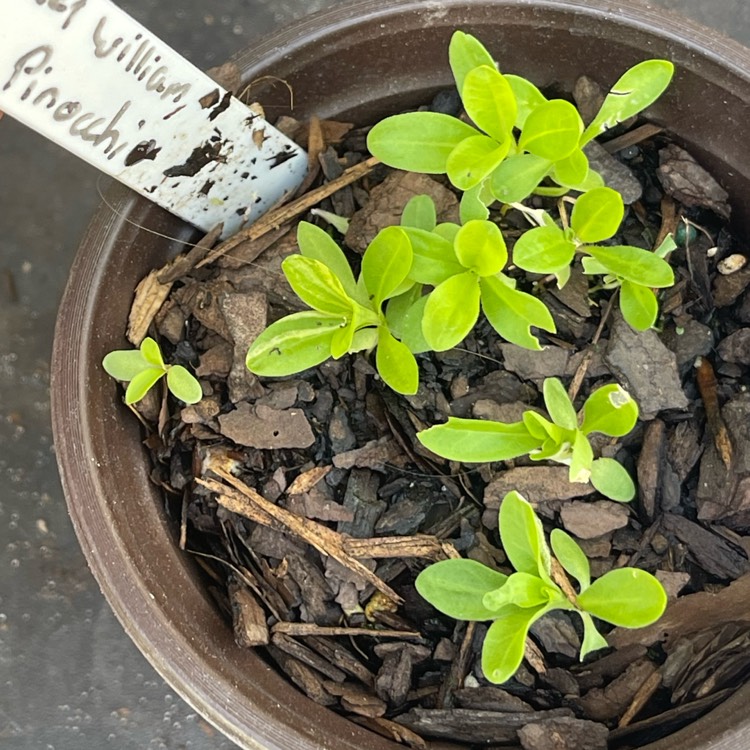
708,388
299,629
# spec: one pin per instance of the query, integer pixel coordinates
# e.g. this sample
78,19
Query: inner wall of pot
357,64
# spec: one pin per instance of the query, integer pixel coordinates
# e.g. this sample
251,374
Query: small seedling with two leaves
469,590
464,265
609,410
347,315
596,216
518,139
142,368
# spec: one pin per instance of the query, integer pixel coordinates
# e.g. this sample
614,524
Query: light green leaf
512,312
522,537
151,352
433,257
518,176
593,640
634,264
592,180
627,597
418,141
638,305
316,285
473,159
610,410
472,207
570,555
183,384
477,440
480,247
142,383
597,215
448,230
396,364
465,53
503,648
451,311
581,459
456,588
543,250
293,344
404,316
639,87
528,97
386,263
552,130
666,247
542,428
612,480
315,243
343,339
125,364
489,102
558,404
522,590
419,213
572,170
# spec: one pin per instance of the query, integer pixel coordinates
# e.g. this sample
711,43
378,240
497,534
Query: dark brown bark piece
249,618
564,733
308,656
650,461
266,428
610,702
490,699
308,680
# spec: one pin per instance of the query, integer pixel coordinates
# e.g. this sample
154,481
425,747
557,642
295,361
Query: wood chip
649,466
250,628
308,479
150,295
308,656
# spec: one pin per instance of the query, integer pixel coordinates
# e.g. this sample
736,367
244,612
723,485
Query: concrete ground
69,677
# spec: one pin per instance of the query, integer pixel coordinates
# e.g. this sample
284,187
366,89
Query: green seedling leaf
457,587
639,87
543,250
477,440
552,130
343,339
597,215
125,364
183,385
142,383
386,263
418,141
612,480
633,264
451,311
558,404
465,53
339,223
472,207
593,640
293,344
522,590
490,103
570,555
503,649
638,305
572,170
522,536
518,176
542,428
512,312
610,410
396,364
151,352
419,213
528,97
315,243
448,229
404,318
666,247
316,285
627,597
473,159
480,247
433,257
581,459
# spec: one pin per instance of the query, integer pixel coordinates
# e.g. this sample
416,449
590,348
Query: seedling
469,590
596,216
518,138
347,315
142,368
562,438
464,265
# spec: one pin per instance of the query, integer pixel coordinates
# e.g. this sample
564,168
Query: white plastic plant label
86,75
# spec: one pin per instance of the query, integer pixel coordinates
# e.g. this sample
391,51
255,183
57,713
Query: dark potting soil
311,506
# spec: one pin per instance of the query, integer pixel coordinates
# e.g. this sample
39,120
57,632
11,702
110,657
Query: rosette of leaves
464,265
596,216
469,590
346,315
560,437
142,368
518,137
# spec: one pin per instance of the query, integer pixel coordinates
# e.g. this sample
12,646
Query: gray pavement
70,679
